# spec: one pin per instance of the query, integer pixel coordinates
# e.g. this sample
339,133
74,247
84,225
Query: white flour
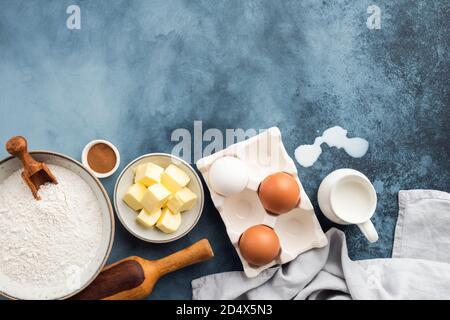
44,244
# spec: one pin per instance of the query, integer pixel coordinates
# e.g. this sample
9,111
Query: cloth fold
419,269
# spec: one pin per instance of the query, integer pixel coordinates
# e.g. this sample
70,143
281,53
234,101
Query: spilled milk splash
306,155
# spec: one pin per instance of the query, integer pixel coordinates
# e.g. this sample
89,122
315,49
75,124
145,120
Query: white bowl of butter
129,210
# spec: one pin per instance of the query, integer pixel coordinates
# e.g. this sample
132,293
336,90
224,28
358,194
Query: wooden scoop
134,278
35,173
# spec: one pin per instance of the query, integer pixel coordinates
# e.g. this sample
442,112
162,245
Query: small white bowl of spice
101,157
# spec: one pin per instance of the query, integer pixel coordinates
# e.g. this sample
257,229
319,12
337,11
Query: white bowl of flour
55,247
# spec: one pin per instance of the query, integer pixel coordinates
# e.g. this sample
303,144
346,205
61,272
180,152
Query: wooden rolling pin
134,278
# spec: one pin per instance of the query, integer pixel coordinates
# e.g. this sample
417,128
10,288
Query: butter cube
134,196
169,222
173,178
182,200
148,174
149,219
155,197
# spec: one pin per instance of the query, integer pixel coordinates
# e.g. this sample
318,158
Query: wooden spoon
35,173
134,278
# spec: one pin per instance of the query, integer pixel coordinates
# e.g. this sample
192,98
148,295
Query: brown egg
259,245
279,193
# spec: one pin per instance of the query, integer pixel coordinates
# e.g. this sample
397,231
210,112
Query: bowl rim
111,215
201,196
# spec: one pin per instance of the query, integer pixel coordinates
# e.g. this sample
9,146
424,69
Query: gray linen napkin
419,269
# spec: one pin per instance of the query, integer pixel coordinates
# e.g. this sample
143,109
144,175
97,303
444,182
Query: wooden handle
198,252
18,147
134,277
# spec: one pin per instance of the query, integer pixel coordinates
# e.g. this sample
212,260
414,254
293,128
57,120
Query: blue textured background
137,70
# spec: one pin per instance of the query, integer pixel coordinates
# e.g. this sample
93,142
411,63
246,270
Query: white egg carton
298,230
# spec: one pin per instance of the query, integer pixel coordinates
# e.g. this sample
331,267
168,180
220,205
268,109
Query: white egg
228,176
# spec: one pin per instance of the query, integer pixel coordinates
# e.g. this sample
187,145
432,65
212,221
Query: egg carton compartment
298,230
243,211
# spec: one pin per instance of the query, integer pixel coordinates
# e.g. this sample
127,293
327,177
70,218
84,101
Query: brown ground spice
101,158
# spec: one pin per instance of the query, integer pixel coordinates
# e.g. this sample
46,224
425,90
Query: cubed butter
169,222
134,196
149,219
155,197
173,178
148,174
182,200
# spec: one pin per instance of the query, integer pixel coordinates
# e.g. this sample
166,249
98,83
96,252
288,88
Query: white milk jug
347,196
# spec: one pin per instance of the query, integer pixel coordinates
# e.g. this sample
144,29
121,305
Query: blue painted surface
137,70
